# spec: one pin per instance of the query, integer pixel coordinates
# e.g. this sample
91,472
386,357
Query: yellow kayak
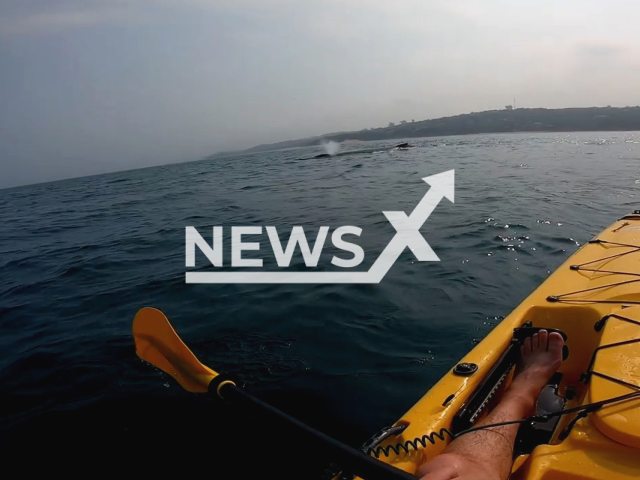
594,299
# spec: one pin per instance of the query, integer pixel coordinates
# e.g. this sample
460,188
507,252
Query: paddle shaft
354,460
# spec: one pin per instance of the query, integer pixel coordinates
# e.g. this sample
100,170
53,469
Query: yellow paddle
158,343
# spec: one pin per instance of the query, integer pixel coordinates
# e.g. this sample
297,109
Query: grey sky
90,86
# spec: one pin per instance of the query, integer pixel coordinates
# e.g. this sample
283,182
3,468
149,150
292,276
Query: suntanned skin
488,454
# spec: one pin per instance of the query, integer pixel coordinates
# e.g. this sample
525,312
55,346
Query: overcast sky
90,86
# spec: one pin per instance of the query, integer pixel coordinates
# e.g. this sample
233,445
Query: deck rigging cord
433,437
583,267
583,410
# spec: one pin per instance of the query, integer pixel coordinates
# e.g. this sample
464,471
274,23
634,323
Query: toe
543,338
555,342
535,342
526,348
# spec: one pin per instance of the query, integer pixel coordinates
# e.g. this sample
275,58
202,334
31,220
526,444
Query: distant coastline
508,120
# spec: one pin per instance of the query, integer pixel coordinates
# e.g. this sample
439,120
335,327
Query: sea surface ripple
79,257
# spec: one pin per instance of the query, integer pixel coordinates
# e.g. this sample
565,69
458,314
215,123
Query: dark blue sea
79,257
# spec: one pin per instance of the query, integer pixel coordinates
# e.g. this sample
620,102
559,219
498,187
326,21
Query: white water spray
331,147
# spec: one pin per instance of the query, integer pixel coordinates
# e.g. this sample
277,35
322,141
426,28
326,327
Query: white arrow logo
407,235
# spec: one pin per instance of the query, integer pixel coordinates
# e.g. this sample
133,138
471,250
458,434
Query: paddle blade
159,344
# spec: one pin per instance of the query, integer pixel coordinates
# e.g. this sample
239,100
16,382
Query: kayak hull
601,279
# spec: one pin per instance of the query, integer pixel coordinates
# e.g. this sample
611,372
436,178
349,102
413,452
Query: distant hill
492,121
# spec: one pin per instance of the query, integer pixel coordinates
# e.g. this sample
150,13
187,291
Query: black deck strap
522,333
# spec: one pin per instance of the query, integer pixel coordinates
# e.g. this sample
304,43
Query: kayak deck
593,299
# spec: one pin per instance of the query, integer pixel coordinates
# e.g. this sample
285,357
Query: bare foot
483,455
541,356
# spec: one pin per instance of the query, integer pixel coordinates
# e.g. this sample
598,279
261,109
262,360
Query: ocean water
79,257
